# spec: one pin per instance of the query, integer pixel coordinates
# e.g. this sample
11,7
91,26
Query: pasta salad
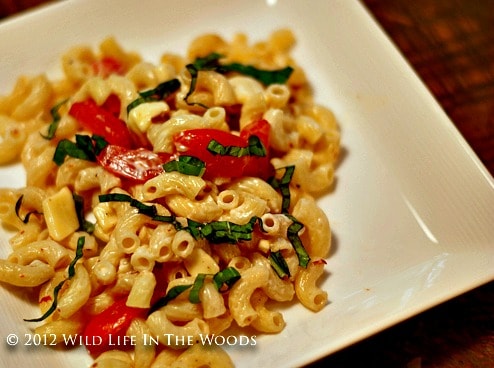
167,204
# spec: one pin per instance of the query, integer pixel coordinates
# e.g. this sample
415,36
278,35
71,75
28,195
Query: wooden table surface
450,44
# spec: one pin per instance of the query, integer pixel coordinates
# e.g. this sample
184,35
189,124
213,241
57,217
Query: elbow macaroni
130,252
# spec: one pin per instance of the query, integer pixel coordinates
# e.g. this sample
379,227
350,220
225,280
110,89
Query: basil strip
84,148
211,62
18,204
84,224
55,115
170,295
283,184
162,91
292,235
215,232
148,210
196,288
56,290
226,276
227,232
78,255
266,77
188,165
254,148
279,264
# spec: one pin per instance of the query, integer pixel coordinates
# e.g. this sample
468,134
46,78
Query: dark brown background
450,44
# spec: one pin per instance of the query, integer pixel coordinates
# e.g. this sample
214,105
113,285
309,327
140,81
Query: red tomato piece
110,325
256,165
259,128
101,122
194,142
138,164
112,105
107,66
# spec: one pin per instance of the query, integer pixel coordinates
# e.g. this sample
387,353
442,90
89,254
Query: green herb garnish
254,148
283,184
56,290
55,115
84,148
227,276
162,91
279,264
216,232
292,235
18,205
196,288
211,62
84,224
172,294
188,165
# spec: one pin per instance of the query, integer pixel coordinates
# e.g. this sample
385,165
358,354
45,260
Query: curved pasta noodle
76,294
173,183
267,320
239,299
47,251
174,336
201,356
309,294
317,237
30,275
144,352
113,359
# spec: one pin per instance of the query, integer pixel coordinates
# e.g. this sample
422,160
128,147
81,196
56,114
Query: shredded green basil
85,148
283,184
228,232
18,205
227,276
292,235
266,77
55,115
188,165
148,210
172,294
160,92
279,264
211,62
56,290
254,148
84,224
216,232
194,296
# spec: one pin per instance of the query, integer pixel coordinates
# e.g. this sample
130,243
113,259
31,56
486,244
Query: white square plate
412,209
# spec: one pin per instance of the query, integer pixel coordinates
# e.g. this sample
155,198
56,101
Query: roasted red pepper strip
101,122
137,165
195,142
110,326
